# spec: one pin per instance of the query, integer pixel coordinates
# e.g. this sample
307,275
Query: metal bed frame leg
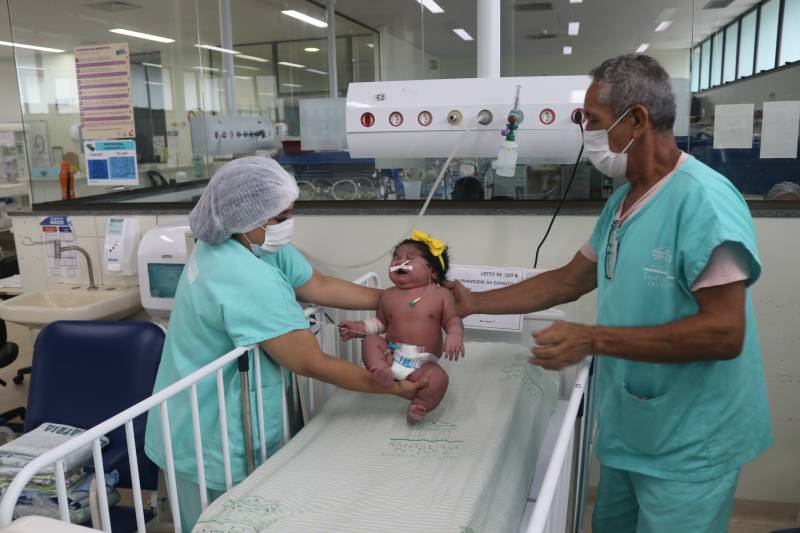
247,415
574,474
583,454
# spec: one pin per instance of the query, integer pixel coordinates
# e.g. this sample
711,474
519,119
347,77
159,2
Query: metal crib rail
350,351
92,436
555,507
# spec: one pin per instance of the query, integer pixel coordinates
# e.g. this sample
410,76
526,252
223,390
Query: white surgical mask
277,236
595,145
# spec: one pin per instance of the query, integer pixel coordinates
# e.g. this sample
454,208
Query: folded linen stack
39,496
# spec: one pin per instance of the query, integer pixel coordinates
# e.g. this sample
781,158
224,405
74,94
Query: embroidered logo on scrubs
658,275
192,270
662,255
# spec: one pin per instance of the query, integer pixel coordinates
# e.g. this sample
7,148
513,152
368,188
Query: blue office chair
85,372
8,354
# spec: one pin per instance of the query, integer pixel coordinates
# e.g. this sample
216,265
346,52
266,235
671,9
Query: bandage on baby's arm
373,326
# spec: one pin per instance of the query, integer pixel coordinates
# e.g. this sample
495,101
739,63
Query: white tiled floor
748,516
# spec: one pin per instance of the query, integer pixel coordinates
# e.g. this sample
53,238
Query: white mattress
358,467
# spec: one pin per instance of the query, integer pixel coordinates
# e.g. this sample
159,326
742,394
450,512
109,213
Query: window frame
718,35
752,11
761,6
781,11
738,21
710,44
725,50
691,71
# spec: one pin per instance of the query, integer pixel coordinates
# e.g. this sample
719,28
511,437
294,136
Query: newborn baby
413,314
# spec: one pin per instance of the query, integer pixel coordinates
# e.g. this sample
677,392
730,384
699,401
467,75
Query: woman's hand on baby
408,389
454,347
352,330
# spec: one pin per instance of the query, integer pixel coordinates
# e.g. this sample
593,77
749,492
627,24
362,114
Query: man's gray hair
634,79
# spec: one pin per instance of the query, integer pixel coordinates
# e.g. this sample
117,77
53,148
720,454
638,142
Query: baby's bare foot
416,412
383,376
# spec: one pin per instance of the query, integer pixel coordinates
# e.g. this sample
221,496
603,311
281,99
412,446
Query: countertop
759,208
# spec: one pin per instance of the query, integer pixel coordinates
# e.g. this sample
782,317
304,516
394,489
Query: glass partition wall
205,72
182,78
15,191
745,123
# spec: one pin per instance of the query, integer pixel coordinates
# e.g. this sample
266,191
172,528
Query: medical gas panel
230,134
427,118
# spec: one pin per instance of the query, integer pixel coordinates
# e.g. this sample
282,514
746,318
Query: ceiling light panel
31,47
431,6
305,18
252,58
574,28
663,25
140,35
461,32
217,49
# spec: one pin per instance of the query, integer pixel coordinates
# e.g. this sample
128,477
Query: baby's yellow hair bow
434,245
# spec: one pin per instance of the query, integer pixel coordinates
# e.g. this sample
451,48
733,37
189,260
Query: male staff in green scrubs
681,394
240,287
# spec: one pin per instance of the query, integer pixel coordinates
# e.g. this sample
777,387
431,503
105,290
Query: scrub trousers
628,502
189,502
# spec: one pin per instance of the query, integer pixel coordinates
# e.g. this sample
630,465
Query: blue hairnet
241,195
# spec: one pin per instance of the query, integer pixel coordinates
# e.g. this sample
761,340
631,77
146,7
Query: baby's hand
352,330
454,347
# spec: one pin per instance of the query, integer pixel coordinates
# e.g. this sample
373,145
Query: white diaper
406,358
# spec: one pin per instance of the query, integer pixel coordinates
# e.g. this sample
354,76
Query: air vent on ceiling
114,5
541,35
718,4
536,6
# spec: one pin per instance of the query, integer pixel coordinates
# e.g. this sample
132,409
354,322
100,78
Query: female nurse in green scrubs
240,287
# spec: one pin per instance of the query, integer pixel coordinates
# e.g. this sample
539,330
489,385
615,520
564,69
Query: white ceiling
67,24
605,24
608,24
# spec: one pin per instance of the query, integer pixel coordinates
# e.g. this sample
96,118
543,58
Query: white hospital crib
555,502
